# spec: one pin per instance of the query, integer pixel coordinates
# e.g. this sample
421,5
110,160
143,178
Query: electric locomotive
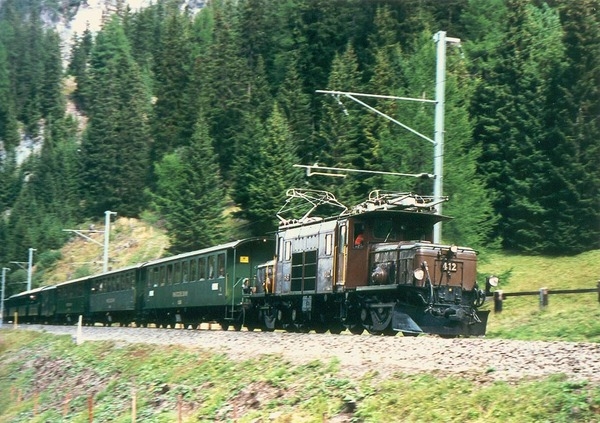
372,267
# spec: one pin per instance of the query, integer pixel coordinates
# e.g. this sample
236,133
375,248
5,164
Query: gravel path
479,359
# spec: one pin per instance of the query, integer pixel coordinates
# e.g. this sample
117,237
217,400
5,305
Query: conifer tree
115,145
343,144
174,110
8,123
271,175
572,130
295,104
78,66
224,79
190,194
511,125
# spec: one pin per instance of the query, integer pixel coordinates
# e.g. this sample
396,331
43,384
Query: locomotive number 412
449,266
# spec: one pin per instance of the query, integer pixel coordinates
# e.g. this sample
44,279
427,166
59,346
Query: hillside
132,241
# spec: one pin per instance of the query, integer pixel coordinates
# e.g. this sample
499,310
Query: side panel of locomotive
305,262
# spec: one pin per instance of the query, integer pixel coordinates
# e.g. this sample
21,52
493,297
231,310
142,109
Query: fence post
79,337
543,298
599,291
133,405
498,301
91,408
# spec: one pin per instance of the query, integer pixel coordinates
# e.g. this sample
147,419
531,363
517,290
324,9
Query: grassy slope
568,317
48,378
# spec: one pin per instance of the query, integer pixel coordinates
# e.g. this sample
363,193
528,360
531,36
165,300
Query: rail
543,294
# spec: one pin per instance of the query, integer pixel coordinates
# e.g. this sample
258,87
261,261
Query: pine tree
572,196
271,175
224,78
343,144
511,105
8,123
190,194
174,112
78,66
295,104
115,145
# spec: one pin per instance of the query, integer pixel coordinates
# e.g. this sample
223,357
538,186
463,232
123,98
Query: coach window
185,270
194,270
202,268
211,267
221,265
153,277
177,277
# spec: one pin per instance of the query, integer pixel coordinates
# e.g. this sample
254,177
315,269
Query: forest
196,118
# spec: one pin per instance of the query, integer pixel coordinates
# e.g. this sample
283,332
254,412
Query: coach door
341,255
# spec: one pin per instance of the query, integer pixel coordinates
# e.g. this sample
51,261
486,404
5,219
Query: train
327,268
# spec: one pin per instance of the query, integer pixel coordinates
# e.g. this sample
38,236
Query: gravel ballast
480,359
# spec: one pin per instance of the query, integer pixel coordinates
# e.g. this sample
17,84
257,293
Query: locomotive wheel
381,321
269,320
336,328
356,329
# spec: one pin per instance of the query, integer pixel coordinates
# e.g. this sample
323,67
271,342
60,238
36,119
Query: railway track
481,359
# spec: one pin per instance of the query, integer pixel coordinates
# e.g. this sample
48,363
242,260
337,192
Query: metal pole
31,250
4,269
107,214
438,137
439,130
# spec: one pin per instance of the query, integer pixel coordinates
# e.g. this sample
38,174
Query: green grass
568,317
40,371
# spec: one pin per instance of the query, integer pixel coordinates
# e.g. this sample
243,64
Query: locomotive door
341,255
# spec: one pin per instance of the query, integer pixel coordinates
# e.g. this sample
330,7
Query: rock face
91,13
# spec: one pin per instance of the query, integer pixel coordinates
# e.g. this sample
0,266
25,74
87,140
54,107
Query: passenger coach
202,286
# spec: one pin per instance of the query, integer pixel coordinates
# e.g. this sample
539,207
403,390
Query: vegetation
49,378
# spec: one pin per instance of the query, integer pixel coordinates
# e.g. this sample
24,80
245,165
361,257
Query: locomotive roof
379,204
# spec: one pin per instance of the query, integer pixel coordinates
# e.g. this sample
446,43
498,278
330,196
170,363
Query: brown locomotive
372,267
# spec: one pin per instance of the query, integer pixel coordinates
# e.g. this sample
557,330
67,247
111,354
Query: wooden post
79,334
91,407
36,397
179,408
66,405
133,405
543,298
599,291
498,298
16,320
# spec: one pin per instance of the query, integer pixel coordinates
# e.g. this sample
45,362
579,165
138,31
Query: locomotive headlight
419,274
493,280
490,281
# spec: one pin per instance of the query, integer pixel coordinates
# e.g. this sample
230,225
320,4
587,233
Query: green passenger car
113,296
72,301
202,286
